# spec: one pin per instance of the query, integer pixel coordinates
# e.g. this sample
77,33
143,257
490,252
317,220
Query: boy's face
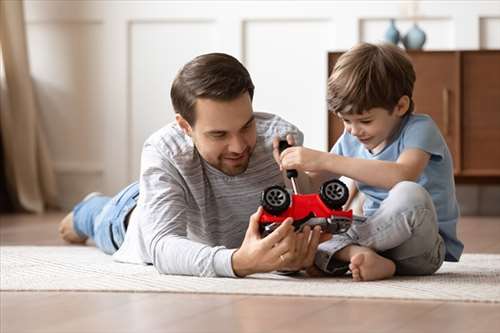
224,133
374,127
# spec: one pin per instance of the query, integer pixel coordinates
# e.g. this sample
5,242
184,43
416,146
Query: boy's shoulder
419,124
420,118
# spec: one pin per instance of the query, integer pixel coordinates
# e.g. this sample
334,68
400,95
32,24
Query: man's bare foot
67,231
369,266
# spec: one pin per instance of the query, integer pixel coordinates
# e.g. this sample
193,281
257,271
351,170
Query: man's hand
259,255
306,246
283,249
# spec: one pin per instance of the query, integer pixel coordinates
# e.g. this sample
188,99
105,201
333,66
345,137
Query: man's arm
164,215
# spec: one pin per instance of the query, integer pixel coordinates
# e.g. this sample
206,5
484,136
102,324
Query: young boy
398,160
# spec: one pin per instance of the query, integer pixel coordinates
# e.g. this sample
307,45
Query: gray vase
392,33
414,38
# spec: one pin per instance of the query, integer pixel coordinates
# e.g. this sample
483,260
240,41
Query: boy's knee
411,192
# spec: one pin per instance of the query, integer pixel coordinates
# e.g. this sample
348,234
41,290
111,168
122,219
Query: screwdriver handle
290,173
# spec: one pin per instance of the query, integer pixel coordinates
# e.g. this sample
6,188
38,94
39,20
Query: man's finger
313,246
279,234
253,226
325,236
306,231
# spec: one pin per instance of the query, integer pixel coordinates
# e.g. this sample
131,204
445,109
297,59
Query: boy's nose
355,130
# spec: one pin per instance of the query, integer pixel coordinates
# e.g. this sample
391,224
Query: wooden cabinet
460,90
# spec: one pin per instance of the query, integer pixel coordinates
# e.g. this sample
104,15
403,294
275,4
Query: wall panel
284,58
155,57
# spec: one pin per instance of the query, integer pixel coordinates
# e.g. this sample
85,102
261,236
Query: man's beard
235,170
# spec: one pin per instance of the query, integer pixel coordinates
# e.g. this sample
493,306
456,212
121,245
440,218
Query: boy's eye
346,121
366,121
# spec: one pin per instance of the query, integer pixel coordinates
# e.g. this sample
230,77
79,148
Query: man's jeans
404,229
103,218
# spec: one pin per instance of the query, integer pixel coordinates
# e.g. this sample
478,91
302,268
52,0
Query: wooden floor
161,312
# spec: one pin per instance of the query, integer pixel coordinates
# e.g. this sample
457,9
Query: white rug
73,268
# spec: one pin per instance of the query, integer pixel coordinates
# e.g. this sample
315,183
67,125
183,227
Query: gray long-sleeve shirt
191,217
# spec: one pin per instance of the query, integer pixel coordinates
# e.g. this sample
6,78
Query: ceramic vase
414,38
392,33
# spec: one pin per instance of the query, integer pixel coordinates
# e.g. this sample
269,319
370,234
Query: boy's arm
383,174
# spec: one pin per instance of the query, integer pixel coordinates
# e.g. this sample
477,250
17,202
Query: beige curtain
30,178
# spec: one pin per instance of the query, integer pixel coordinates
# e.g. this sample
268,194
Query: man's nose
237,144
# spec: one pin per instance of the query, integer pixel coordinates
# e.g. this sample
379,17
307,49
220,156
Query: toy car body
323,209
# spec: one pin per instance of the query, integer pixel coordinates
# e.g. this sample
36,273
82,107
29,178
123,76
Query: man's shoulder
269,125
170,140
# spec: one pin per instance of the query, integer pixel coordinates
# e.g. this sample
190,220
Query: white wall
103,69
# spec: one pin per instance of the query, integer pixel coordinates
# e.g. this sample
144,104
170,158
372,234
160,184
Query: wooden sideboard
460,90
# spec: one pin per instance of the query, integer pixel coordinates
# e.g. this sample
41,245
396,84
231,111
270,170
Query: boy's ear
403,105
183,124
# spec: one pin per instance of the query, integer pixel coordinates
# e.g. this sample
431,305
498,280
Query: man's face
224,133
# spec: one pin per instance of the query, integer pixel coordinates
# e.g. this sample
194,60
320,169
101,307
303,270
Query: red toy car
324,209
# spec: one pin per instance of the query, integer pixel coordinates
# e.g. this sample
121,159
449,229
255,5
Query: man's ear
183,124
403,105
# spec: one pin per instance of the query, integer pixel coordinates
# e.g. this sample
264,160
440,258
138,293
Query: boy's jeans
404,229
103,218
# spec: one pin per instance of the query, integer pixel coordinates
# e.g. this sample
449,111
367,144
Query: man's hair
369,76
216,76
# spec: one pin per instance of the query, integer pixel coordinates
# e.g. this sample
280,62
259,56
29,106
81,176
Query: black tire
275,200
334,193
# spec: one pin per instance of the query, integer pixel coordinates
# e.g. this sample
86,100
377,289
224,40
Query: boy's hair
369,76
215,76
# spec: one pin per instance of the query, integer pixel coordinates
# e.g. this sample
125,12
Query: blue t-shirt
416,131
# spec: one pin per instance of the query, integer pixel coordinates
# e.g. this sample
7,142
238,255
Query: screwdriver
291,174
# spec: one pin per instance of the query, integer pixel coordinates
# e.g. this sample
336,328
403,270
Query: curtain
30,176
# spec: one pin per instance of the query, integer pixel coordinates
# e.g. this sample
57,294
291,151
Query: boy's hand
303,159
276,153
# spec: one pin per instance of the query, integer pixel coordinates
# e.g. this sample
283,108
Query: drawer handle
446,111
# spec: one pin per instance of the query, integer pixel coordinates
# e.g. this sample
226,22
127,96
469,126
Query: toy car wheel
334,193
275,200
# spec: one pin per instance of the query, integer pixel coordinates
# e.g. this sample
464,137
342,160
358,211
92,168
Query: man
201,178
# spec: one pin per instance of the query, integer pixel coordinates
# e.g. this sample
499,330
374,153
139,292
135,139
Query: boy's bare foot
67,231
369,266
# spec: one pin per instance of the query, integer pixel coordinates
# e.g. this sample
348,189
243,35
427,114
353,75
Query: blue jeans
404,229
102,218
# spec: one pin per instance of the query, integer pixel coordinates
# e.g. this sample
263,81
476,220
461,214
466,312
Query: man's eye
366,121
217,135
346,121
